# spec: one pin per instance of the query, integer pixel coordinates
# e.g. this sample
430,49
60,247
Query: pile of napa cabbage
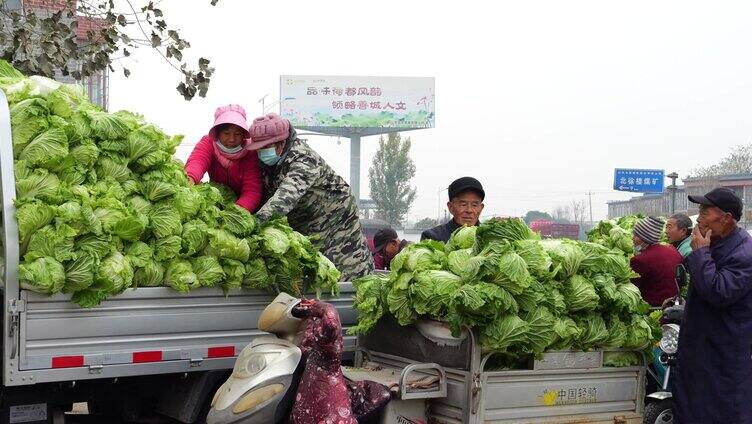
102,206
524,295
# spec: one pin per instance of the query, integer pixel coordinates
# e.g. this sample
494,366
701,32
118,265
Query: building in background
649,204
97,85
660,204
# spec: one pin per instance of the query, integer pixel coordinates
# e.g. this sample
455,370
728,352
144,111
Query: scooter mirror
277,318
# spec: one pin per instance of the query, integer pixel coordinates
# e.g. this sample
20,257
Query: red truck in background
550,229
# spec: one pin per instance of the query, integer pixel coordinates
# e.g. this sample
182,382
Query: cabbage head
511,273
504,332
208,270
43,275
432,292
566,256
580,295
639,332
541,332
114,274
594,331
180,276
462,238
369,302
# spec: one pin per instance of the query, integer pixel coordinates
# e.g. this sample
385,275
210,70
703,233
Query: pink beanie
267,130
231,114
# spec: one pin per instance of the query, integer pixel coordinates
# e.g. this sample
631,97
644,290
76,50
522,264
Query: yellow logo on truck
549,397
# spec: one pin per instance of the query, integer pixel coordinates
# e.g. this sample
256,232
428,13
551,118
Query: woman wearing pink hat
317,201
226,155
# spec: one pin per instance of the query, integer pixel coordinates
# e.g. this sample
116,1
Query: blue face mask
229,150
269,156
638,248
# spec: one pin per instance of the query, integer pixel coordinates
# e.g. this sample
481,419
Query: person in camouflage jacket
299,184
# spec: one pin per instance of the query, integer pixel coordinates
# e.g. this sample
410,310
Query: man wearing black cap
714,371
465,204
387,244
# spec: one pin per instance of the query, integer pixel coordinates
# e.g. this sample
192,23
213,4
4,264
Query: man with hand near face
465,204
714,371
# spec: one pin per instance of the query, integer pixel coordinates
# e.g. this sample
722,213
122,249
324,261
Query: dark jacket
657,268
714,371
440,233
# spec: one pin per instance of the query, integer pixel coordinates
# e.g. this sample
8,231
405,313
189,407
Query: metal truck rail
143,331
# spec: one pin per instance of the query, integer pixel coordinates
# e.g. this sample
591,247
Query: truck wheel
659,412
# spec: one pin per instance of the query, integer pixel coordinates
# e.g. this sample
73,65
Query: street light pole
673,176
438,204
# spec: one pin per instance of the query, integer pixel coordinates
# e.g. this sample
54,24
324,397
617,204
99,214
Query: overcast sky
540,100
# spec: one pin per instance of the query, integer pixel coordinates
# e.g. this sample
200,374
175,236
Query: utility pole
590,201
672,188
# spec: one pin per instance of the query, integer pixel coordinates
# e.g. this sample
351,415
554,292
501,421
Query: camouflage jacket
317,203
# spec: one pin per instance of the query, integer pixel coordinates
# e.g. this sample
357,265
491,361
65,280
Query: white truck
148,349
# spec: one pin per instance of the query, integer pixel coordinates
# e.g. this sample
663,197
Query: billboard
357,102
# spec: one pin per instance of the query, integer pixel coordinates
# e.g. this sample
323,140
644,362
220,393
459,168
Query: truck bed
143,331
140,332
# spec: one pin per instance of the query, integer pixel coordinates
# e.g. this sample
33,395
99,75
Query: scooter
658,408
265,379
262,386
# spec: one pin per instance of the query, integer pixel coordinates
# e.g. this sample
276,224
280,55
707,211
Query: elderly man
465,204
656,263
679,233
712,379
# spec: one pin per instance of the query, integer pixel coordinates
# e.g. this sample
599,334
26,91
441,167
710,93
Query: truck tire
659,412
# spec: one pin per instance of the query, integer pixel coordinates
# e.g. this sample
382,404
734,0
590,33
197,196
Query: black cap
722,198
382,237
464,184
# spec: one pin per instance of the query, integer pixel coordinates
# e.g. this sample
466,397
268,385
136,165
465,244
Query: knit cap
649,229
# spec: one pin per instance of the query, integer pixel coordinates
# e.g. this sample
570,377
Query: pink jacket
244,176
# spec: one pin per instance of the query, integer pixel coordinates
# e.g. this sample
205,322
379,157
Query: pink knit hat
231,114
266,130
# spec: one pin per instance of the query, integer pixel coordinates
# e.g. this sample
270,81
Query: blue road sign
639,180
